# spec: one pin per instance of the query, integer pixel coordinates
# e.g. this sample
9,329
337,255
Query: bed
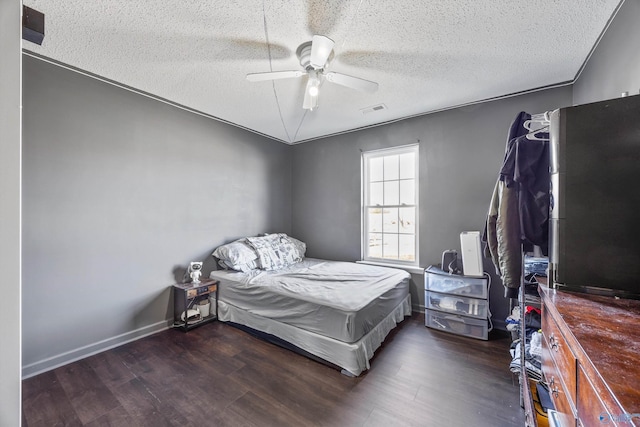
337,312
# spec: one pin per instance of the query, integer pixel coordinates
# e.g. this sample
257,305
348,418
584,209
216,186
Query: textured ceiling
425,55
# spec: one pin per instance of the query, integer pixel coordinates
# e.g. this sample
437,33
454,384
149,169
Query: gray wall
120,193
10,364
614,67
461,152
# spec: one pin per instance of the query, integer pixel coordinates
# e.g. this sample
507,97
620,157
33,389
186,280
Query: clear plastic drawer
455,324
457,304
439,281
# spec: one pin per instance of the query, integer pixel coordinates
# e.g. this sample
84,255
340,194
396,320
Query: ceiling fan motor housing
304,54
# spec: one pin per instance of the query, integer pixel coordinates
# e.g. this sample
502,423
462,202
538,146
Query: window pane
390,213
390,220
391,167
375,220
408,192
407,247
407,220
375,169
392,192
375,245
375,194
390,248
407,165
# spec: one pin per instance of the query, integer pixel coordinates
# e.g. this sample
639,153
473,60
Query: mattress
338,300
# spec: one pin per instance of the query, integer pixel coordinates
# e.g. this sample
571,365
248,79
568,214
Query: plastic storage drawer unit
469,286
457,304
460,325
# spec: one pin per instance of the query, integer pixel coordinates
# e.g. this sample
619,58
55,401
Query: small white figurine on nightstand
195,271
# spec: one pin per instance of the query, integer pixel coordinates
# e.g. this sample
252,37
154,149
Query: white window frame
365,204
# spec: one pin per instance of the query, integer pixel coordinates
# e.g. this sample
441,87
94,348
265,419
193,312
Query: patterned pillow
276,251
301,247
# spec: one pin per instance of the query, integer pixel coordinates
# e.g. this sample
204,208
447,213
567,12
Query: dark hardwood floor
217,375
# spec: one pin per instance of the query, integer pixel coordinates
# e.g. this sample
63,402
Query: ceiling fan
314,57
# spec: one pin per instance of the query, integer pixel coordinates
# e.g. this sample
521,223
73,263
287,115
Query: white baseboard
65,358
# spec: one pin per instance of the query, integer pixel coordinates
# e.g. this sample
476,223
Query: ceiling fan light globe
321,47
313,91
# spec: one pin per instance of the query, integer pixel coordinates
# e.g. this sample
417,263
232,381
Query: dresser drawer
592,411
557,388
560,353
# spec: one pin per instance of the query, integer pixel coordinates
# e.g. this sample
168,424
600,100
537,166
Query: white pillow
236,253
245,268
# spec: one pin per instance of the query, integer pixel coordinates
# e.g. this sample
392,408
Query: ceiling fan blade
352,82
273,75
321,47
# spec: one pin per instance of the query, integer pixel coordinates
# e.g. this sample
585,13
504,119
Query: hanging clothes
490,232
518,214
532,177
502,230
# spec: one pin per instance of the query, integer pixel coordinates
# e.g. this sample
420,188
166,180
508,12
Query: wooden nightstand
186,296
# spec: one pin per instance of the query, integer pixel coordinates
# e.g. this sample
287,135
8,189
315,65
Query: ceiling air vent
373,109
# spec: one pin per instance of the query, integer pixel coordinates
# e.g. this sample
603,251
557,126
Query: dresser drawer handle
554,391
552,386
553,343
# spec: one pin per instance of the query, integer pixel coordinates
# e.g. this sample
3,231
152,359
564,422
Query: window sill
414,269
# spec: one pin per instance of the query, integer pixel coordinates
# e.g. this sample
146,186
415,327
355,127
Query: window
390,205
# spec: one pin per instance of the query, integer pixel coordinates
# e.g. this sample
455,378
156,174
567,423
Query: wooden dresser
591,357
